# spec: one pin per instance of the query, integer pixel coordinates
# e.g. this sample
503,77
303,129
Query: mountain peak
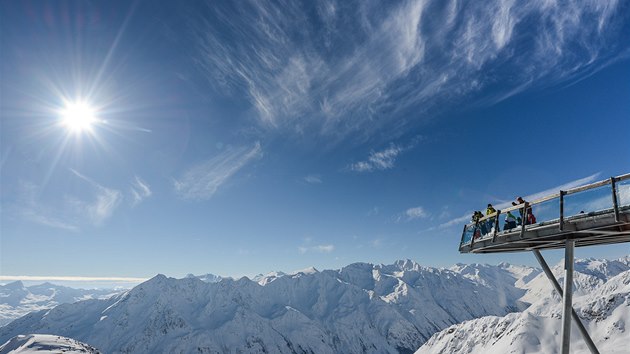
309,270
14,285
407,264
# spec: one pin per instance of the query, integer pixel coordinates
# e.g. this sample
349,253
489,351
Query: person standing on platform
510,221
490,222
531,219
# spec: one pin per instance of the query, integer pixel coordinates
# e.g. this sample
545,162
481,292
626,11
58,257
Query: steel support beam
545,267
567,298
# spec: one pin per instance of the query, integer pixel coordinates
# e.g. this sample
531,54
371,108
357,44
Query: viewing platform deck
594,214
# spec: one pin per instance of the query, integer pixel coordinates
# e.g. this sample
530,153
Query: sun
78,117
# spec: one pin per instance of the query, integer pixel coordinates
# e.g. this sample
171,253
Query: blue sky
238,138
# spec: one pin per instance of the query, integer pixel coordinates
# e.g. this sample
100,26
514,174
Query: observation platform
593,214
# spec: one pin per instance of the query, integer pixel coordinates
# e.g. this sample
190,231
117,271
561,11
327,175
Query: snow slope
602,302
16,300
45,344
361,308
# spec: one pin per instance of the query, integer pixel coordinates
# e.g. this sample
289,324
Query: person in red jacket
531,219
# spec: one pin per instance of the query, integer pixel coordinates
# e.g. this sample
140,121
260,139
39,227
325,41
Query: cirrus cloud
340,67
201,181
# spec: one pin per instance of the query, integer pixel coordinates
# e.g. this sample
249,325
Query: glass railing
623,193
589,200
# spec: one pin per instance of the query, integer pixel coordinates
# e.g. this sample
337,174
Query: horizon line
70,278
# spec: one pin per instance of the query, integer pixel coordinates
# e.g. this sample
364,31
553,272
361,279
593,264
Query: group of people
482,227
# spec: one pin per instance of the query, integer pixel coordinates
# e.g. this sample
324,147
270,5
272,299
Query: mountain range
16,300
361,308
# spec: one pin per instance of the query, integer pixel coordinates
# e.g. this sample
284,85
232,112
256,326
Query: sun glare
78,117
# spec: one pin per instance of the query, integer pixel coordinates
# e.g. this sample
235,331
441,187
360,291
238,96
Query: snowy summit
45,344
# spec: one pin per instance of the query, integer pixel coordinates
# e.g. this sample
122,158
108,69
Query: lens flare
78,117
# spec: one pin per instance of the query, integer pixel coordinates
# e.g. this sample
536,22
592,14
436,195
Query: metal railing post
496,226
562,193
614,197
524,218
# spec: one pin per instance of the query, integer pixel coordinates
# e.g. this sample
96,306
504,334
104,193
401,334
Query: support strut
567,298
545,267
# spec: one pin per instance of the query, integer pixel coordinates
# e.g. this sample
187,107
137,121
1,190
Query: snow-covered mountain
208,278
16,300
361,308
357,309
602,301
45,344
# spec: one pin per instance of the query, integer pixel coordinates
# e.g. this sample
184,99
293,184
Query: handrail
493,227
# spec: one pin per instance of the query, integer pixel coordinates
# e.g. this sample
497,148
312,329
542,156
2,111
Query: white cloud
569,185
31,209
397,58
106,200
203,180
378,160
313,179
373,212
416,213
140,190
317,248
70,212
411,214
102,208
460,221
376,243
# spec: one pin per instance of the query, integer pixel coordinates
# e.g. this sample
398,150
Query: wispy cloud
373,212
29,207
416,213
140,190
378,160
569,185
71,211
412,214
317,248
313,179
105,201
203,180
376,243
362,66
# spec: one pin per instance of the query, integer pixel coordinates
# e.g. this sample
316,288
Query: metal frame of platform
603,226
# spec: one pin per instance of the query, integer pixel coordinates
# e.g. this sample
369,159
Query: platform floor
597,228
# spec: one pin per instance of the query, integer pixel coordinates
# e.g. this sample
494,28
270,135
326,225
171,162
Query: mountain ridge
391,308
359,308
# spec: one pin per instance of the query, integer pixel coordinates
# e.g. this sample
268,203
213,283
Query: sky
239,138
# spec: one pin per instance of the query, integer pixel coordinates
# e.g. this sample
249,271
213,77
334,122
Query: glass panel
486,227
623,193
588,201
502,221
546,211
468,234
